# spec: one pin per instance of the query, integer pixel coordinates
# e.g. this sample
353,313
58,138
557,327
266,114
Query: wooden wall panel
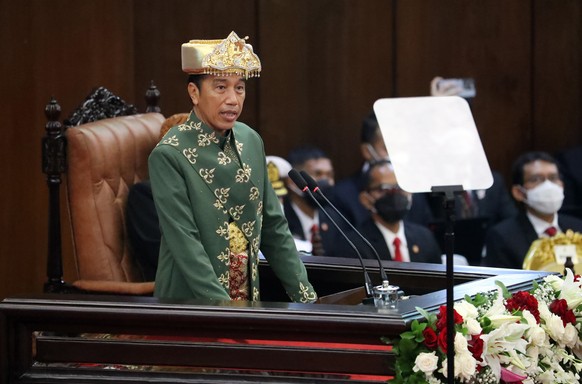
60,48
325,63
557,63
489,41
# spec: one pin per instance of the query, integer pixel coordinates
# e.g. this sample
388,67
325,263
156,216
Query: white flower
465,365
571,291
570,336
553,324
460,343
426,362
473,326
466,310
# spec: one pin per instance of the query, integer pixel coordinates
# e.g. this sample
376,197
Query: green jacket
198,190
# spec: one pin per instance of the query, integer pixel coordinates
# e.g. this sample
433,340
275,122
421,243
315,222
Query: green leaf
506,294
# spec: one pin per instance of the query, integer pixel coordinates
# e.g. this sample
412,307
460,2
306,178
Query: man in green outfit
210,184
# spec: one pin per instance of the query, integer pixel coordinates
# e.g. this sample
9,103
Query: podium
89,338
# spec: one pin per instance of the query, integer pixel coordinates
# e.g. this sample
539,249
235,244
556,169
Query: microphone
300,182
312,184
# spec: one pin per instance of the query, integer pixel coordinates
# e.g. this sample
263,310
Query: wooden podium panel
66,338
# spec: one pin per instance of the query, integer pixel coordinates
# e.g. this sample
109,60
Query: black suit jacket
328,232
508,242
422,246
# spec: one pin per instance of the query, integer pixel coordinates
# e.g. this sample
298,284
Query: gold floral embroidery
254,272
218,205
243,175
224,256
223,230
248,228
222,194
256,296
254,195
173,141
307,295
223,279
239,147
205,139
190,154
255,245
189,126
260,208
223,159
236,211
207,174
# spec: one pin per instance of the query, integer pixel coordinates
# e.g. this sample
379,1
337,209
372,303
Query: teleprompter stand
434,146
448,194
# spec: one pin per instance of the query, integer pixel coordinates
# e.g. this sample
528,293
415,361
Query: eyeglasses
538,179
386,188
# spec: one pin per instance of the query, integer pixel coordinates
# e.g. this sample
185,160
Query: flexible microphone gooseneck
300,182
312,184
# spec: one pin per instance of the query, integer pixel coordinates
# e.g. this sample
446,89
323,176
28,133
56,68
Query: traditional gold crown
231,56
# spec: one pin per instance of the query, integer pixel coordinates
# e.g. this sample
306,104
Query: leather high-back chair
102,150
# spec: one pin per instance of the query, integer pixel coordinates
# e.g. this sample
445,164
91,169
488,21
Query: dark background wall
325,63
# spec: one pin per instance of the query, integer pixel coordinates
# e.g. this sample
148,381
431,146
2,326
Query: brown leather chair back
104,159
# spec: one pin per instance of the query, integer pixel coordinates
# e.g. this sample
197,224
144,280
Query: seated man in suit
538,187
387,229
306,221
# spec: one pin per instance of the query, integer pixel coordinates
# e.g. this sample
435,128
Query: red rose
521,301
430,338
476,347
442,318
442,340
560,308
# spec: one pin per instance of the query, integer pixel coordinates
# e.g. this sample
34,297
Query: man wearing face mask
306,221
539,189
388,230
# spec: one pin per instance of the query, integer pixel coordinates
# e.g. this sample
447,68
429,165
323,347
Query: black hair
367,179
523,160
298,156
196,79
370,129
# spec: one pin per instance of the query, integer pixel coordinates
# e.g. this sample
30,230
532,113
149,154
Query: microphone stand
300,182
312,184
448,193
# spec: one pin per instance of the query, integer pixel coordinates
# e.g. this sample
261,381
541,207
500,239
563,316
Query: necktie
397,253
317,249
467,205
551,231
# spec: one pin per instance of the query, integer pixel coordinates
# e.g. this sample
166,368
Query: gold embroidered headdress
231,56
277,169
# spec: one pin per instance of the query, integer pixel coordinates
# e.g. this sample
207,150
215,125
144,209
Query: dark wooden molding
152,98
100,104
54,164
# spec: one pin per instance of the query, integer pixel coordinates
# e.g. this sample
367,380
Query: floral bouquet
524,337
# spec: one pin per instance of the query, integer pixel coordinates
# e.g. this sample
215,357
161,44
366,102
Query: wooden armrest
116,287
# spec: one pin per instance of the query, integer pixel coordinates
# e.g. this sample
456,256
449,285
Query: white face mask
545,198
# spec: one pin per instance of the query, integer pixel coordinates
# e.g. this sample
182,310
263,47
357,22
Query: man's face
534,174
219,102
376,150
383,182
320,169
